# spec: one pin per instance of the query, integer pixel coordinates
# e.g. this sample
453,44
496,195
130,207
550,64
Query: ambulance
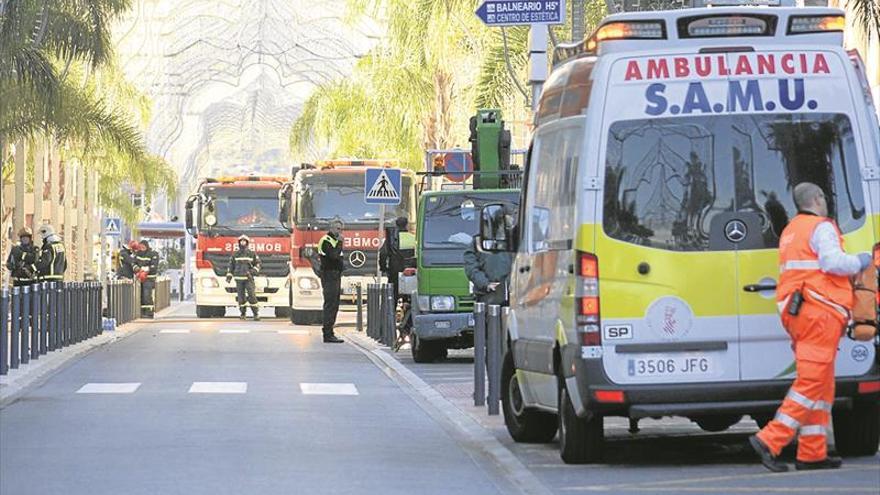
660,177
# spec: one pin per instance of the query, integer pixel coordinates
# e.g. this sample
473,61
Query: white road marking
109,388
234,330
328,389
174,330
294,332
218,388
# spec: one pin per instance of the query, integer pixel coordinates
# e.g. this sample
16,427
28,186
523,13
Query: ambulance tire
857,430
581,440
717,423
282,312
523,425
204,311
427,351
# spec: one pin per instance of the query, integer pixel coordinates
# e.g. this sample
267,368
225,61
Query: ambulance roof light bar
612,31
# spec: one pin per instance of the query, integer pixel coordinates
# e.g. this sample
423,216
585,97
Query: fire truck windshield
241,209
322,197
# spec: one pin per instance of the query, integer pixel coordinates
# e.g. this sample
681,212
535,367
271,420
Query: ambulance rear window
665,179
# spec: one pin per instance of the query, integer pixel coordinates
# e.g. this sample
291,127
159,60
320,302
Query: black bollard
36,320
480,354
53,315
25,324
16,328
44,317
4,331
493,348
390,316
359,322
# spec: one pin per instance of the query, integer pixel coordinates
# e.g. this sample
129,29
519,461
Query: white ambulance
659,180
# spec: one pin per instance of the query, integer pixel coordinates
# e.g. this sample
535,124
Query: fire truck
219,212
319,193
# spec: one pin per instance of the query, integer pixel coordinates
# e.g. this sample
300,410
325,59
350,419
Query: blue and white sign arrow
521,12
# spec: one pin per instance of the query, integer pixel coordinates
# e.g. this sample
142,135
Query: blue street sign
382,186
112,226
520,12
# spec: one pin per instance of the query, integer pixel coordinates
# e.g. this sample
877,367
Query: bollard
4,331
25,324
480,354
371,309
44,318
64,333
390,316
36,320
99,320
53,315
377,333
359,322
493,339
16,328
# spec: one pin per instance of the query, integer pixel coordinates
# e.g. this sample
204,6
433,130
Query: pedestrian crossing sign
382,186
112,226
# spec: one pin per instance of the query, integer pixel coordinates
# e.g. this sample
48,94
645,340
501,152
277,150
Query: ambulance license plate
670,366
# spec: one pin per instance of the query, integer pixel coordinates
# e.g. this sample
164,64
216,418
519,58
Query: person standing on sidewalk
815,296
148,261
22,259
330,251
127,261
399,247
52,262
244,265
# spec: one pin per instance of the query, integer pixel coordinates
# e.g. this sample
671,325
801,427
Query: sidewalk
19,380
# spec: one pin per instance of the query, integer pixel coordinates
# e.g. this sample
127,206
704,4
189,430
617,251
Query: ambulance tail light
807,24
201,262
610,396
877,255
587,298
726,25
627,30
869,387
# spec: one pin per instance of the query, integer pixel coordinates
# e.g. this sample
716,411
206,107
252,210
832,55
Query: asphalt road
221,406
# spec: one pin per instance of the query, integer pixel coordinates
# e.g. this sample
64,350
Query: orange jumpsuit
815,333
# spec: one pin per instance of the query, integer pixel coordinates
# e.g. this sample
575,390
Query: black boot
331,338
830,462
767,458
243,314
256,315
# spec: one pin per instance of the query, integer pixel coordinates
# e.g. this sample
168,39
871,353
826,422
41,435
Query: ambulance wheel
204,311
524,425
857,430
427,351
715,424
281,312
581,440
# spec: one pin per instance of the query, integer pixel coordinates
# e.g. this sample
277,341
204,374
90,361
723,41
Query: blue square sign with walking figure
382,186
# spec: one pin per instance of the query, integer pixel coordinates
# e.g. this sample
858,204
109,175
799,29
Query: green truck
444,302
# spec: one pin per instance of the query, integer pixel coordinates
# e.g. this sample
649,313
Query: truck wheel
523,425
281,312
716,423
580,440
426,351
857,431
219,312
303,317
204,311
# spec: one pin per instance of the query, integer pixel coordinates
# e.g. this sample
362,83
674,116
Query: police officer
244,264
52,262
22,259
399,247
489,272
330,251
815,296
127,261
148,262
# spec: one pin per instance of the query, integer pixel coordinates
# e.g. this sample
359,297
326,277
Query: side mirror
189,221
284,205
496,228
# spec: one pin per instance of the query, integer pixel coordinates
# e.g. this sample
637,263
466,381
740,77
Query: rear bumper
434,326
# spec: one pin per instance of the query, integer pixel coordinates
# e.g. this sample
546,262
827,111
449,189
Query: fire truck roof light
805,24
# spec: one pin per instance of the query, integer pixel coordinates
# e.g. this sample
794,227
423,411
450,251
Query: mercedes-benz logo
735,231
357,259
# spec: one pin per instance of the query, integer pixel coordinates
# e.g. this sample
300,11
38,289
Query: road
195,406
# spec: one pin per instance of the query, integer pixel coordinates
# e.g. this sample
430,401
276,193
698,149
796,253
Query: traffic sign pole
537,62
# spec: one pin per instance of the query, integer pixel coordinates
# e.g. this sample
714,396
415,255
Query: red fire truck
216,215
318,194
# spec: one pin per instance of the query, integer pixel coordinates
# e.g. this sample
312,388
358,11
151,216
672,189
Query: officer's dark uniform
53,261
397,253
244,264
127,263
330,250
148,258
21,264
483,269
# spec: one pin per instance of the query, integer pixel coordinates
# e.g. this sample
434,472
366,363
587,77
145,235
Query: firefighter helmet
245,238
25,232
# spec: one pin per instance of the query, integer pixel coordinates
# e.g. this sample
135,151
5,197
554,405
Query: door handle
524,269
759,287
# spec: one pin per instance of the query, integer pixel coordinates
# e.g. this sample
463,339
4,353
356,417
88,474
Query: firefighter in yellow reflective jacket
52,262
330,250
244,265
147,260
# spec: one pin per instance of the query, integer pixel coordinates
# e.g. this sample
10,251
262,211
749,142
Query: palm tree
867,16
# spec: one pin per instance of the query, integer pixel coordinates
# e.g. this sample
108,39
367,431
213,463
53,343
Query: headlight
424,303
209,283
442,303
210,219
307,283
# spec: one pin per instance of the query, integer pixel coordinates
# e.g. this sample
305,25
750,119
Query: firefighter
815,296
330,251
128,261
22,259
148,264
52,262
396,252
244,264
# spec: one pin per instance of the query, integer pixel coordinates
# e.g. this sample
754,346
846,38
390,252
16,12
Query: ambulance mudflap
698,176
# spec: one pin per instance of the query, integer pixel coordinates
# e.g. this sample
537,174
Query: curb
466,430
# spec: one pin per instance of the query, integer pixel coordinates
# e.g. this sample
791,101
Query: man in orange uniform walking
815,297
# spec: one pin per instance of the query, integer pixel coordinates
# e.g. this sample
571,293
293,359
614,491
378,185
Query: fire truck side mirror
189,220
284,202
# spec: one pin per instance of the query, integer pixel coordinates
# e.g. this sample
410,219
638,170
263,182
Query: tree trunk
20,166
81,222
69,174
40,156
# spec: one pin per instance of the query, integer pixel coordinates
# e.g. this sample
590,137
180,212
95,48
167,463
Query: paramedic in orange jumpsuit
813,262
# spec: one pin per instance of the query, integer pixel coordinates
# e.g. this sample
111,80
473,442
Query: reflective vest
799,267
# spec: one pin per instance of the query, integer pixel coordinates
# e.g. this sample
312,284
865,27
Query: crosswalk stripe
294,332
174,330
328,389
109,388
234,330
218,388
